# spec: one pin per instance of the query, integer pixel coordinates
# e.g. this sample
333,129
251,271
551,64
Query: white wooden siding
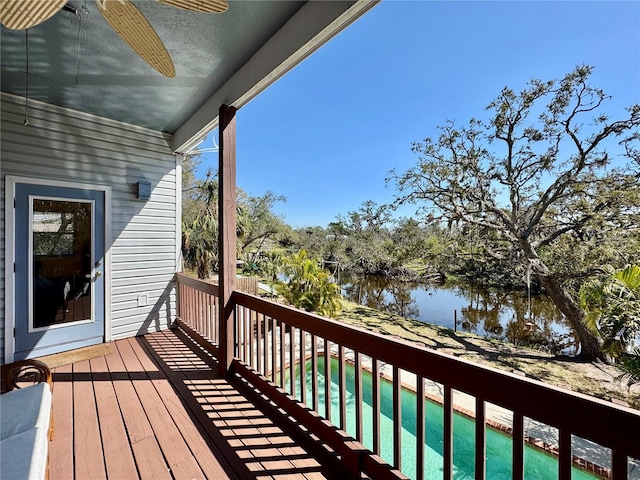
65,145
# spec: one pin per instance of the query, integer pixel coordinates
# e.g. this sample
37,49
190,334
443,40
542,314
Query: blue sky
327,134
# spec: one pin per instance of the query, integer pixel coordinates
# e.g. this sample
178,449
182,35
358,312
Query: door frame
10,253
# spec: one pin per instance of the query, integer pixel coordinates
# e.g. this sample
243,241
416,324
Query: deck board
196,383
181,462
118,455
202,452
87,445
60,463
155,408
140,436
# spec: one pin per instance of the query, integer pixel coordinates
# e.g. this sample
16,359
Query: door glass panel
61,262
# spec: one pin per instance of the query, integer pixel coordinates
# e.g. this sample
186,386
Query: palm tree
612,306
200,244
200,229
269,265
200,232
309,286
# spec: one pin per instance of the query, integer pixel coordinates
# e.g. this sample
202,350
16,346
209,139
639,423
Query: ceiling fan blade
138,33
202,6
23,14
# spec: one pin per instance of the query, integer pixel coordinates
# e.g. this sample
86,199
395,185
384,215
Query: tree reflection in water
491,313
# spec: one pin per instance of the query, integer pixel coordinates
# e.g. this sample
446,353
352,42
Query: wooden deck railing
198,310
198,306
272,341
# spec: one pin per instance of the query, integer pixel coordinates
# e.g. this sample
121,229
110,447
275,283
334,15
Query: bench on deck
26,424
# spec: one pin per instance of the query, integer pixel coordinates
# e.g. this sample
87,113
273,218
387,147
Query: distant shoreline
590,378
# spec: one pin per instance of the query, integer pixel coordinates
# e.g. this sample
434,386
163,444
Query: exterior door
59,270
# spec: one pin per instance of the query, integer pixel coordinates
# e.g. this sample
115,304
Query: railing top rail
198,284
603,422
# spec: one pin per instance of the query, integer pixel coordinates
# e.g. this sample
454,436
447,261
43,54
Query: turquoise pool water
538,465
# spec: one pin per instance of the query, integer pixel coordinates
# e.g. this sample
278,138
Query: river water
505,315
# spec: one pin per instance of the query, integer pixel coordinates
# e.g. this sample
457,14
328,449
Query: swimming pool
538,465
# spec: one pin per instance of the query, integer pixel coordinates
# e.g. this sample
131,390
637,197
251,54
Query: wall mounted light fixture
144,190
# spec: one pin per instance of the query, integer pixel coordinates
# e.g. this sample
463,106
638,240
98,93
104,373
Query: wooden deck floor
154,409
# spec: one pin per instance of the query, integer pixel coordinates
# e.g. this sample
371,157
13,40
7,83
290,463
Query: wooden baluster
397,419
518,446
194,309
189,296
327,379
619,465
198,306
199,310
215,324
196,312
303,366
216,333
206,303
236,329
202,308
259,323
240,326
193,305
179,299
358,394
292,361
420,435
202,327
252,331
189,319
242,321
267,322
206,314
185,305
213,305
481,440
448,433
274,356
190,307
565,457
375,401
314,371
342,388
282,353
213,309
248,313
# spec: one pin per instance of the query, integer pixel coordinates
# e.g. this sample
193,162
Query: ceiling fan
122,15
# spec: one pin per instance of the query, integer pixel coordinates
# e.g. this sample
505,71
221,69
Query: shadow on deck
155,408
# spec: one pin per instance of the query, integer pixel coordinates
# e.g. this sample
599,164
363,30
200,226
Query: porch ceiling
79,62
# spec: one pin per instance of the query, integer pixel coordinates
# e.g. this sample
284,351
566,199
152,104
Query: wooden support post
227,233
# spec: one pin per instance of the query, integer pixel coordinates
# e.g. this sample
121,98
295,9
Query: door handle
98,274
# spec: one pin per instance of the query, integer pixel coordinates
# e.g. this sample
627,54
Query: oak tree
546,168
